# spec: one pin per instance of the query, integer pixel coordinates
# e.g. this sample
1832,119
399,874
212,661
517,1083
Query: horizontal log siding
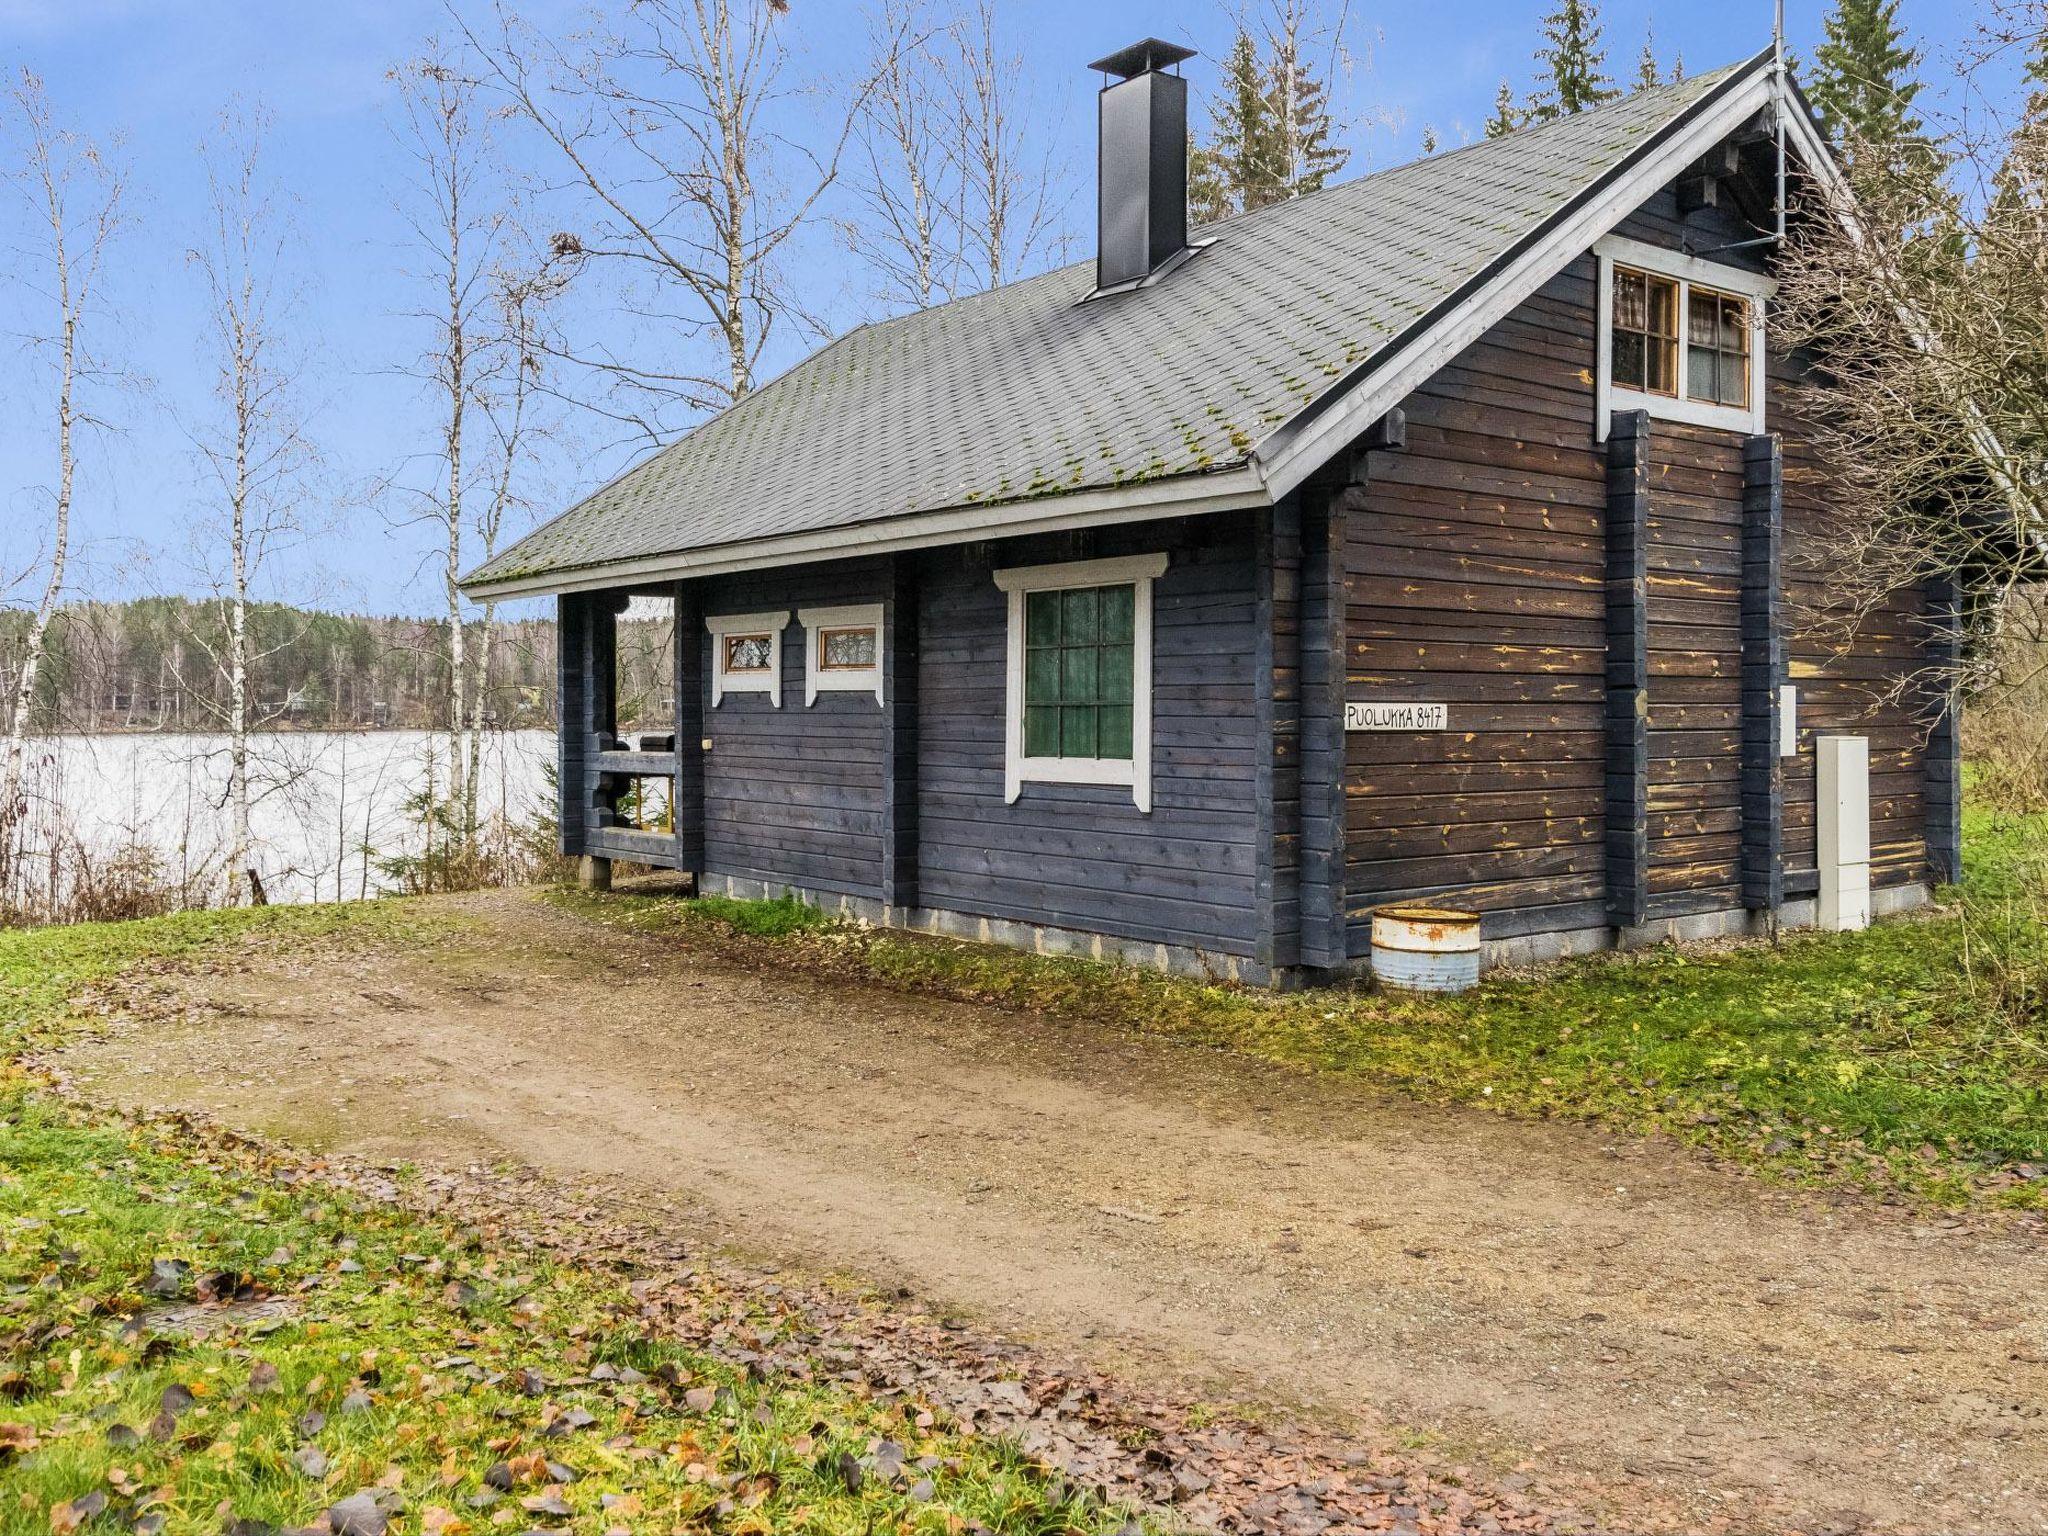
1695,627
1844,684
1840,687
1476,578
794,795
1081,856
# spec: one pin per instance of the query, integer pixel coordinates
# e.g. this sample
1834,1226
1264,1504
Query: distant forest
150,665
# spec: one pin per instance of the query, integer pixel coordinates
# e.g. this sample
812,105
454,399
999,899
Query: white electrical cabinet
1842,773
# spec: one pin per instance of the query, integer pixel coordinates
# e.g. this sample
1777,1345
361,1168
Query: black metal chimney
1143,197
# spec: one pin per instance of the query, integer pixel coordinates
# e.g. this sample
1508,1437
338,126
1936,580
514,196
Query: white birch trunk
19,717
458,385
239,838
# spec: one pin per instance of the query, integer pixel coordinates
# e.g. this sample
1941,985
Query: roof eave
1233,489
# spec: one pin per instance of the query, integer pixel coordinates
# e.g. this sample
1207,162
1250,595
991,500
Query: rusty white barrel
1425,949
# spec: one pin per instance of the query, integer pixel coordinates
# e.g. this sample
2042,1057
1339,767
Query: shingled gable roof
1225,385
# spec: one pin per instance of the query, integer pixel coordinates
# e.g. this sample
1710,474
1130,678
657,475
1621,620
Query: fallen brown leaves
1214,1471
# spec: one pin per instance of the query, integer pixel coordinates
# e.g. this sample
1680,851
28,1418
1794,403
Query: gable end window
842,650
1079,678
1680,337
746,654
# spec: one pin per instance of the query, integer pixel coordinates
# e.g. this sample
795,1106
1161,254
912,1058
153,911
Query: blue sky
157,73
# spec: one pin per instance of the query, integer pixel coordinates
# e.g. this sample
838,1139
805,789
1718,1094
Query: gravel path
1662,1338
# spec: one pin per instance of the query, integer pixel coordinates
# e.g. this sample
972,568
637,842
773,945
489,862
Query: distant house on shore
1425,539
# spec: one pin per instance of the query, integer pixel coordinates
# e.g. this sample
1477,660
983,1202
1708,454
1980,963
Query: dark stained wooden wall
799,796
794,795
1849,687
1695,623
1475,579
1083,856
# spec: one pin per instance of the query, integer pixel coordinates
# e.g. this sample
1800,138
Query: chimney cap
1142,58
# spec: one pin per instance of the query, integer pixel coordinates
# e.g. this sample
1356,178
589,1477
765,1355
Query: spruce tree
1208,191
1573,72
1863,81
1271,133
1506,116
1241,154
1647,73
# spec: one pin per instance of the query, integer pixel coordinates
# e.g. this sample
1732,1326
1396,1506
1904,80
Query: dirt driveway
1611,1308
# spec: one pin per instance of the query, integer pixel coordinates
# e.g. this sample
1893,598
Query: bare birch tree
254,452
513,406
906,184
1014,206
663,118
74,192
457,214
949,196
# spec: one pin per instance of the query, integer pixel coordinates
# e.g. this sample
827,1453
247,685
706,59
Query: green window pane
1041,732
1080,653
1042,618
1077,676
1113,731
1042,677
1119,613
1078,618
1113,679
1702,382
1077,731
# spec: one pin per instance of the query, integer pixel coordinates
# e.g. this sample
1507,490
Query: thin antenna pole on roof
1781,95
1784,94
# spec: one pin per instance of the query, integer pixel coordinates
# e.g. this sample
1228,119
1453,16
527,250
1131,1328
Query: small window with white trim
1079,677
746,654
1680,337
842,650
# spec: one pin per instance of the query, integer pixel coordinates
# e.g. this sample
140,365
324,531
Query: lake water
327,805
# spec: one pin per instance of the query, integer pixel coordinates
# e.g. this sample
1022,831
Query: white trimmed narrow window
1680,337
1078,700
842,650
746,654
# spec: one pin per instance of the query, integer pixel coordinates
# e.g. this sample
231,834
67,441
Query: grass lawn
1911,1059
390,1367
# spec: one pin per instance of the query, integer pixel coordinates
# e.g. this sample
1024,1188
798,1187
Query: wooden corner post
1627,800
1943,782
900,795
690,643
1325,936
572,734
1763,673
1278,765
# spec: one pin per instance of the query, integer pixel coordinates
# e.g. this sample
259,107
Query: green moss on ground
1910,1059
378,1352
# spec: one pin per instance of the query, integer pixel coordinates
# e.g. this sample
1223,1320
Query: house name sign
1402,716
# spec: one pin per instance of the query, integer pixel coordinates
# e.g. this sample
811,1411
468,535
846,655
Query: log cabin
1447,535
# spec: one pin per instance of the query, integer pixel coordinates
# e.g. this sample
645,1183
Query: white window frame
1138,571
1685,270
768,682
818,678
